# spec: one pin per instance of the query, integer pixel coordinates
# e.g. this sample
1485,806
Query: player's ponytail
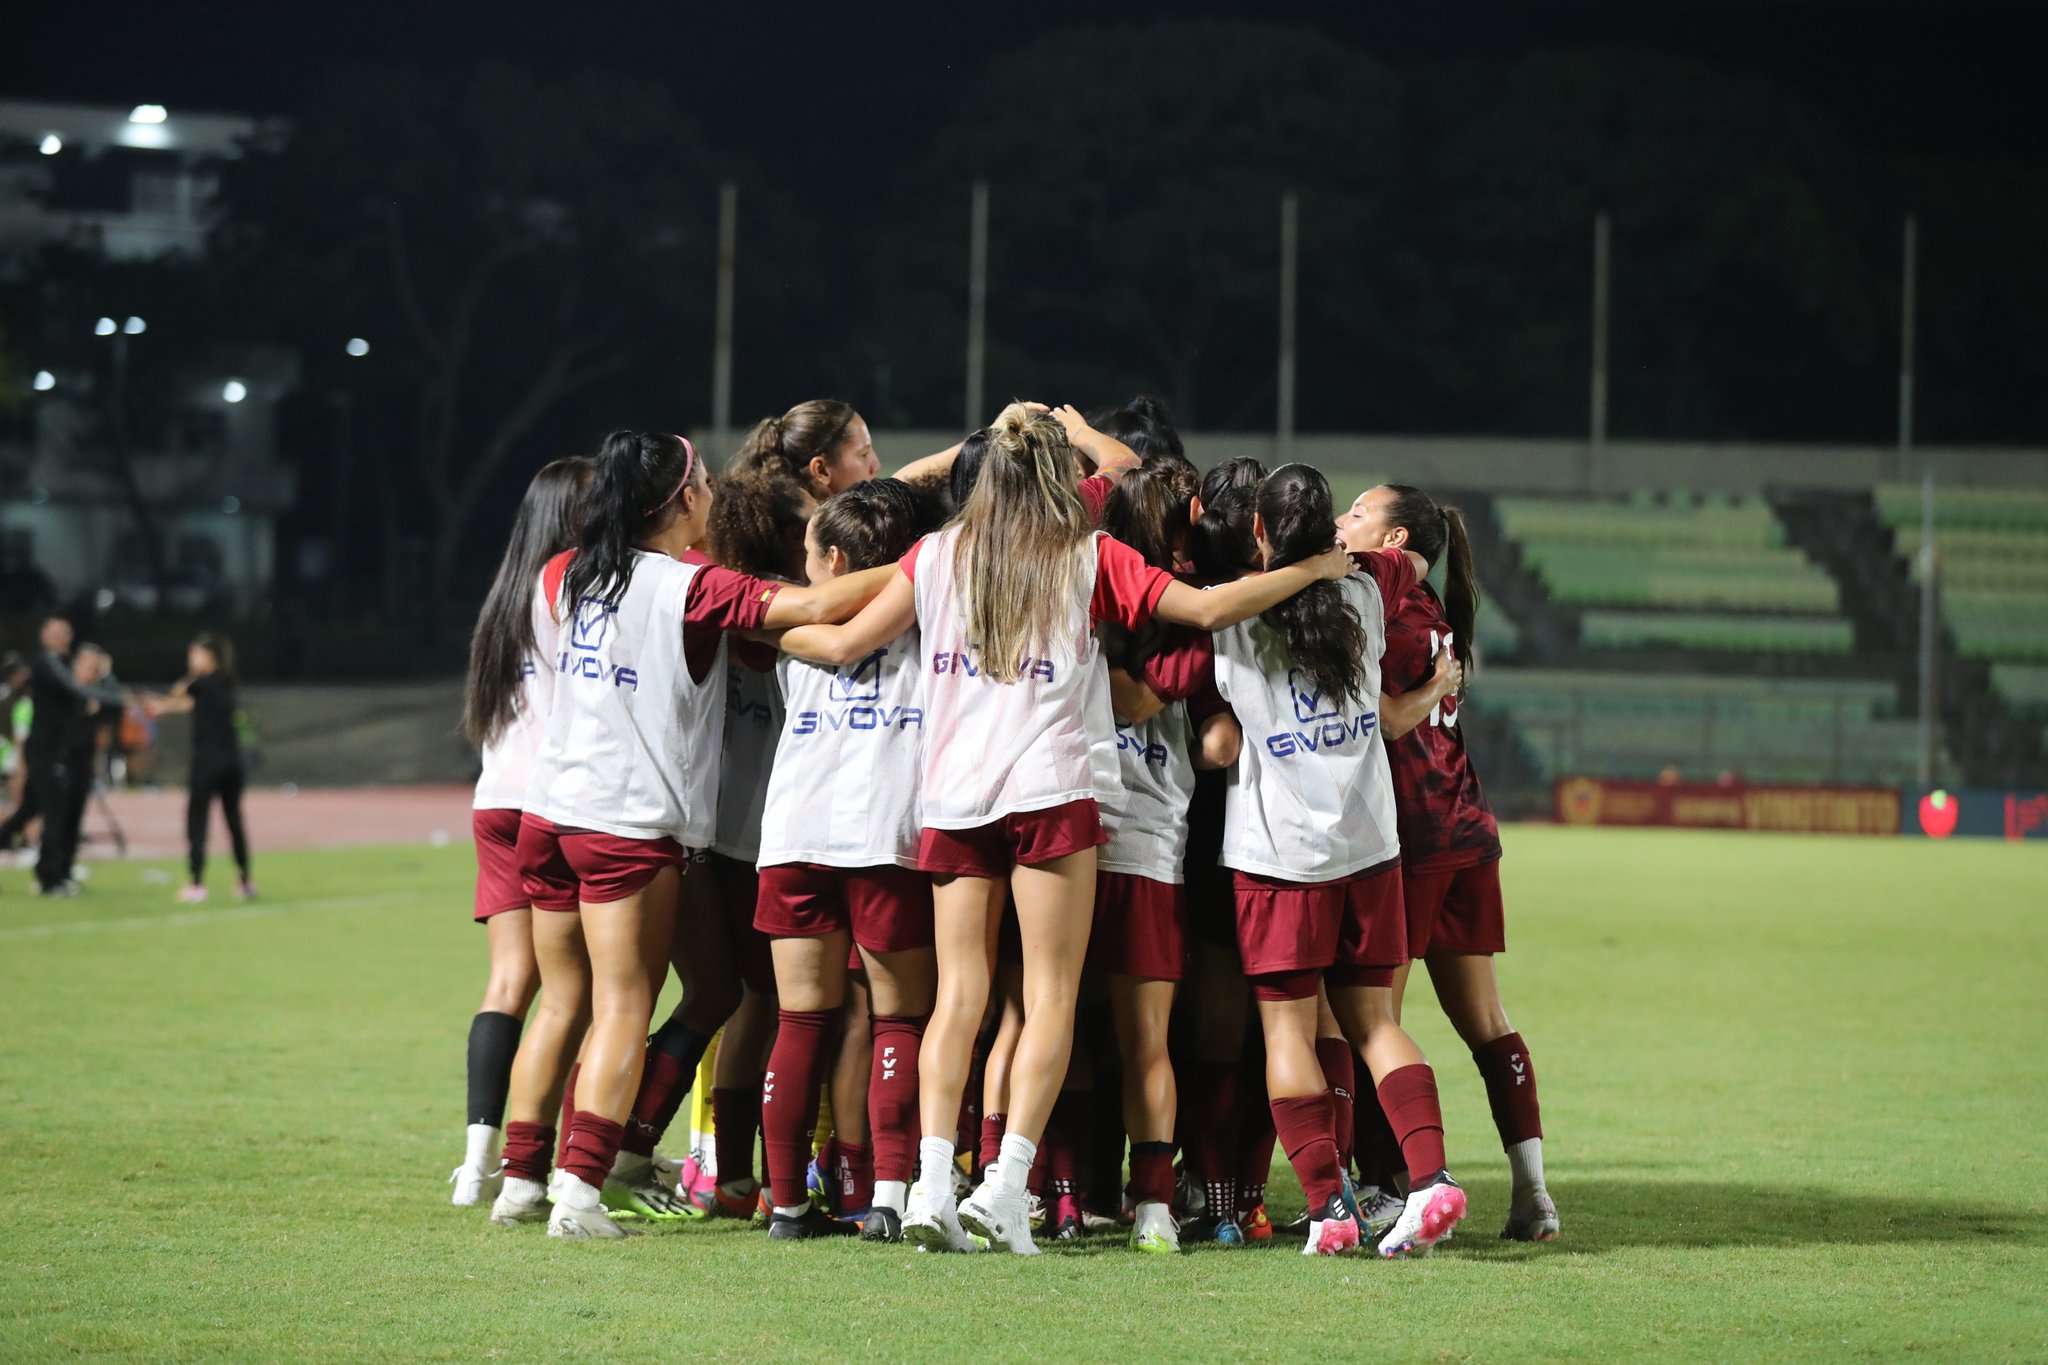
785,446
1323,634
547,523
1220,543
639,478
1148,511
1438,535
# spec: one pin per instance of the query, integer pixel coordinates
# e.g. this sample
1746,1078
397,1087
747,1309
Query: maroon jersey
1439,809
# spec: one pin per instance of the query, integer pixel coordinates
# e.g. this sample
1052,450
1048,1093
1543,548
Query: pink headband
689,465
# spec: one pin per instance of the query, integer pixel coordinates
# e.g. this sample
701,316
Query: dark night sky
1922,76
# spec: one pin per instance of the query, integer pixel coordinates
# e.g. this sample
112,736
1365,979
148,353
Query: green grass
1795,1092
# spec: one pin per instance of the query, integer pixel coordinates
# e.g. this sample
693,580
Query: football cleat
735,1199
579,1215
696,1187
1532,1218
520,1201
934,1224
802,1227
882,1224
634,1190
1255,1225
192,895
1336,1231
1154,1230
1001,1219
1378,1209
1427,1219
1223,1232
1062,1219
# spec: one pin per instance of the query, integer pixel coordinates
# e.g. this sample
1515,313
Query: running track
283,818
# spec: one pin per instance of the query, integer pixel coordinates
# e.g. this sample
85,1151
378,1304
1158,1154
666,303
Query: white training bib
508,760
844,792
632,740
992,749
753,720
1146,815
1312,796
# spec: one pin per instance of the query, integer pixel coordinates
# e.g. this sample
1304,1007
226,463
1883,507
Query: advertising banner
1708,805
1986,812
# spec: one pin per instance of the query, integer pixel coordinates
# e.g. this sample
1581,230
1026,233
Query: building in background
138,469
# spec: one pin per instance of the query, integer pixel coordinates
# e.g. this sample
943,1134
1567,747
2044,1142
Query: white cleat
934,1224
482,1172
666,1168
577,1212
1003,1220
1153,1229
635,1189
1428,1219
1532,1217
1378,1210
520,1201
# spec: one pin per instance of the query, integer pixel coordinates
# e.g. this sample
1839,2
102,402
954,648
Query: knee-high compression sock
528,1147
789,1101
992,1126
1408,1095
1304,1124
673,1052
1339,1066
892,1096
1151,1173
736,1115
1211,1136
1510,1088
493,1043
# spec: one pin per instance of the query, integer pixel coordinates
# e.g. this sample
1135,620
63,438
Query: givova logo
1308,698
593,622
862,682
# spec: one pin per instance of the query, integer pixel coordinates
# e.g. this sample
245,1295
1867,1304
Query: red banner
1704,805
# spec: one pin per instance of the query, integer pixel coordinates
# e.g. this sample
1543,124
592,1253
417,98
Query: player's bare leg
1469,991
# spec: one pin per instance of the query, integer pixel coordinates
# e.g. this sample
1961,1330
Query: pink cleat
1428,1219
194,894
695,1187
1333,1233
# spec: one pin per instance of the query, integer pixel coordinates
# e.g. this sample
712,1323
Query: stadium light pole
1596,434
977,302
721,350
1930,624
1909,288
1290,269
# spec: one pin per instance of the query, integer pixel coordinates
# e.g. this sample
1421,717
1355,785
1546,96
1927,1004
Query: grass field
1794,1088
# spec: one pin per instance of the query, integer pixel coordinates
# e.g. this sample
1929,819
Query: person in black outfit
62,705
208,692
92,668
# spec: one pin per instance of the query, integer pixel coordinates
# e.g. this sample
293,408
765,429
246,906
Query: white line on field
185,919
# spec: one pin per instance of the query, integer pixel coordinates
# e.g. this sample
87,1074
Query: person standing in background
61,703
208,691
14,720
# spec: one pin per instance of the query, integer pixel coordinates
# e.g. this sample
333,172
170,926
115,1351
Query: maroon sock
1212,1126
991,1141
854,1170
1151,1173
1339,1070
568,1111
1304,1123
736,1117
1408,1095
789,1100
892,1096
1379,1151
593,1145
663,1084
1059,1147
1510,1088
527,1146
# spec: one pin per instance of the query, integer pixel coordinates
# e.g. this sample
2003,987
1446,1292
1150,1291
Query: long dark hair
223,651
1147,510
757,523
1437,533
966,471
639,477
1145,425
1324,636
786,445
1220,543
549,516
872,523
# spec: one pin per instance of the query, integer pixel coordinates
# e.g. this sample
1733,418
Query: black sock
678,1040
493,1042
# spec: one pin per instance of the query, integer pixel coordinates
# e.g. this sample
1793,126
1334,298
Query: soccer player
1450,843
505,699
838,869
1017,711
625,781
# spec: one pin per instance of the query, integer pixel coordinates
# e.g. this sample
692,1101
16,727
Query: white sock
1525,1159
935,1167
575,1191
484,1145
891,1194
792,1210
1013,1166
523,1191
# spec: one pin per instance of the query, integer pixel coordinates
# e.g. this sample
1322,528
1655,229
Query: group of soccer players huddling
903,777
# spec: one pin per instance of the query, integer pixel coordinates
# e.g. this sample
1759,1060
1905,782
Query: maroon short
1141,927
1454,909
738,887
888,909
1027,836
1354,922
499,886
562,867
